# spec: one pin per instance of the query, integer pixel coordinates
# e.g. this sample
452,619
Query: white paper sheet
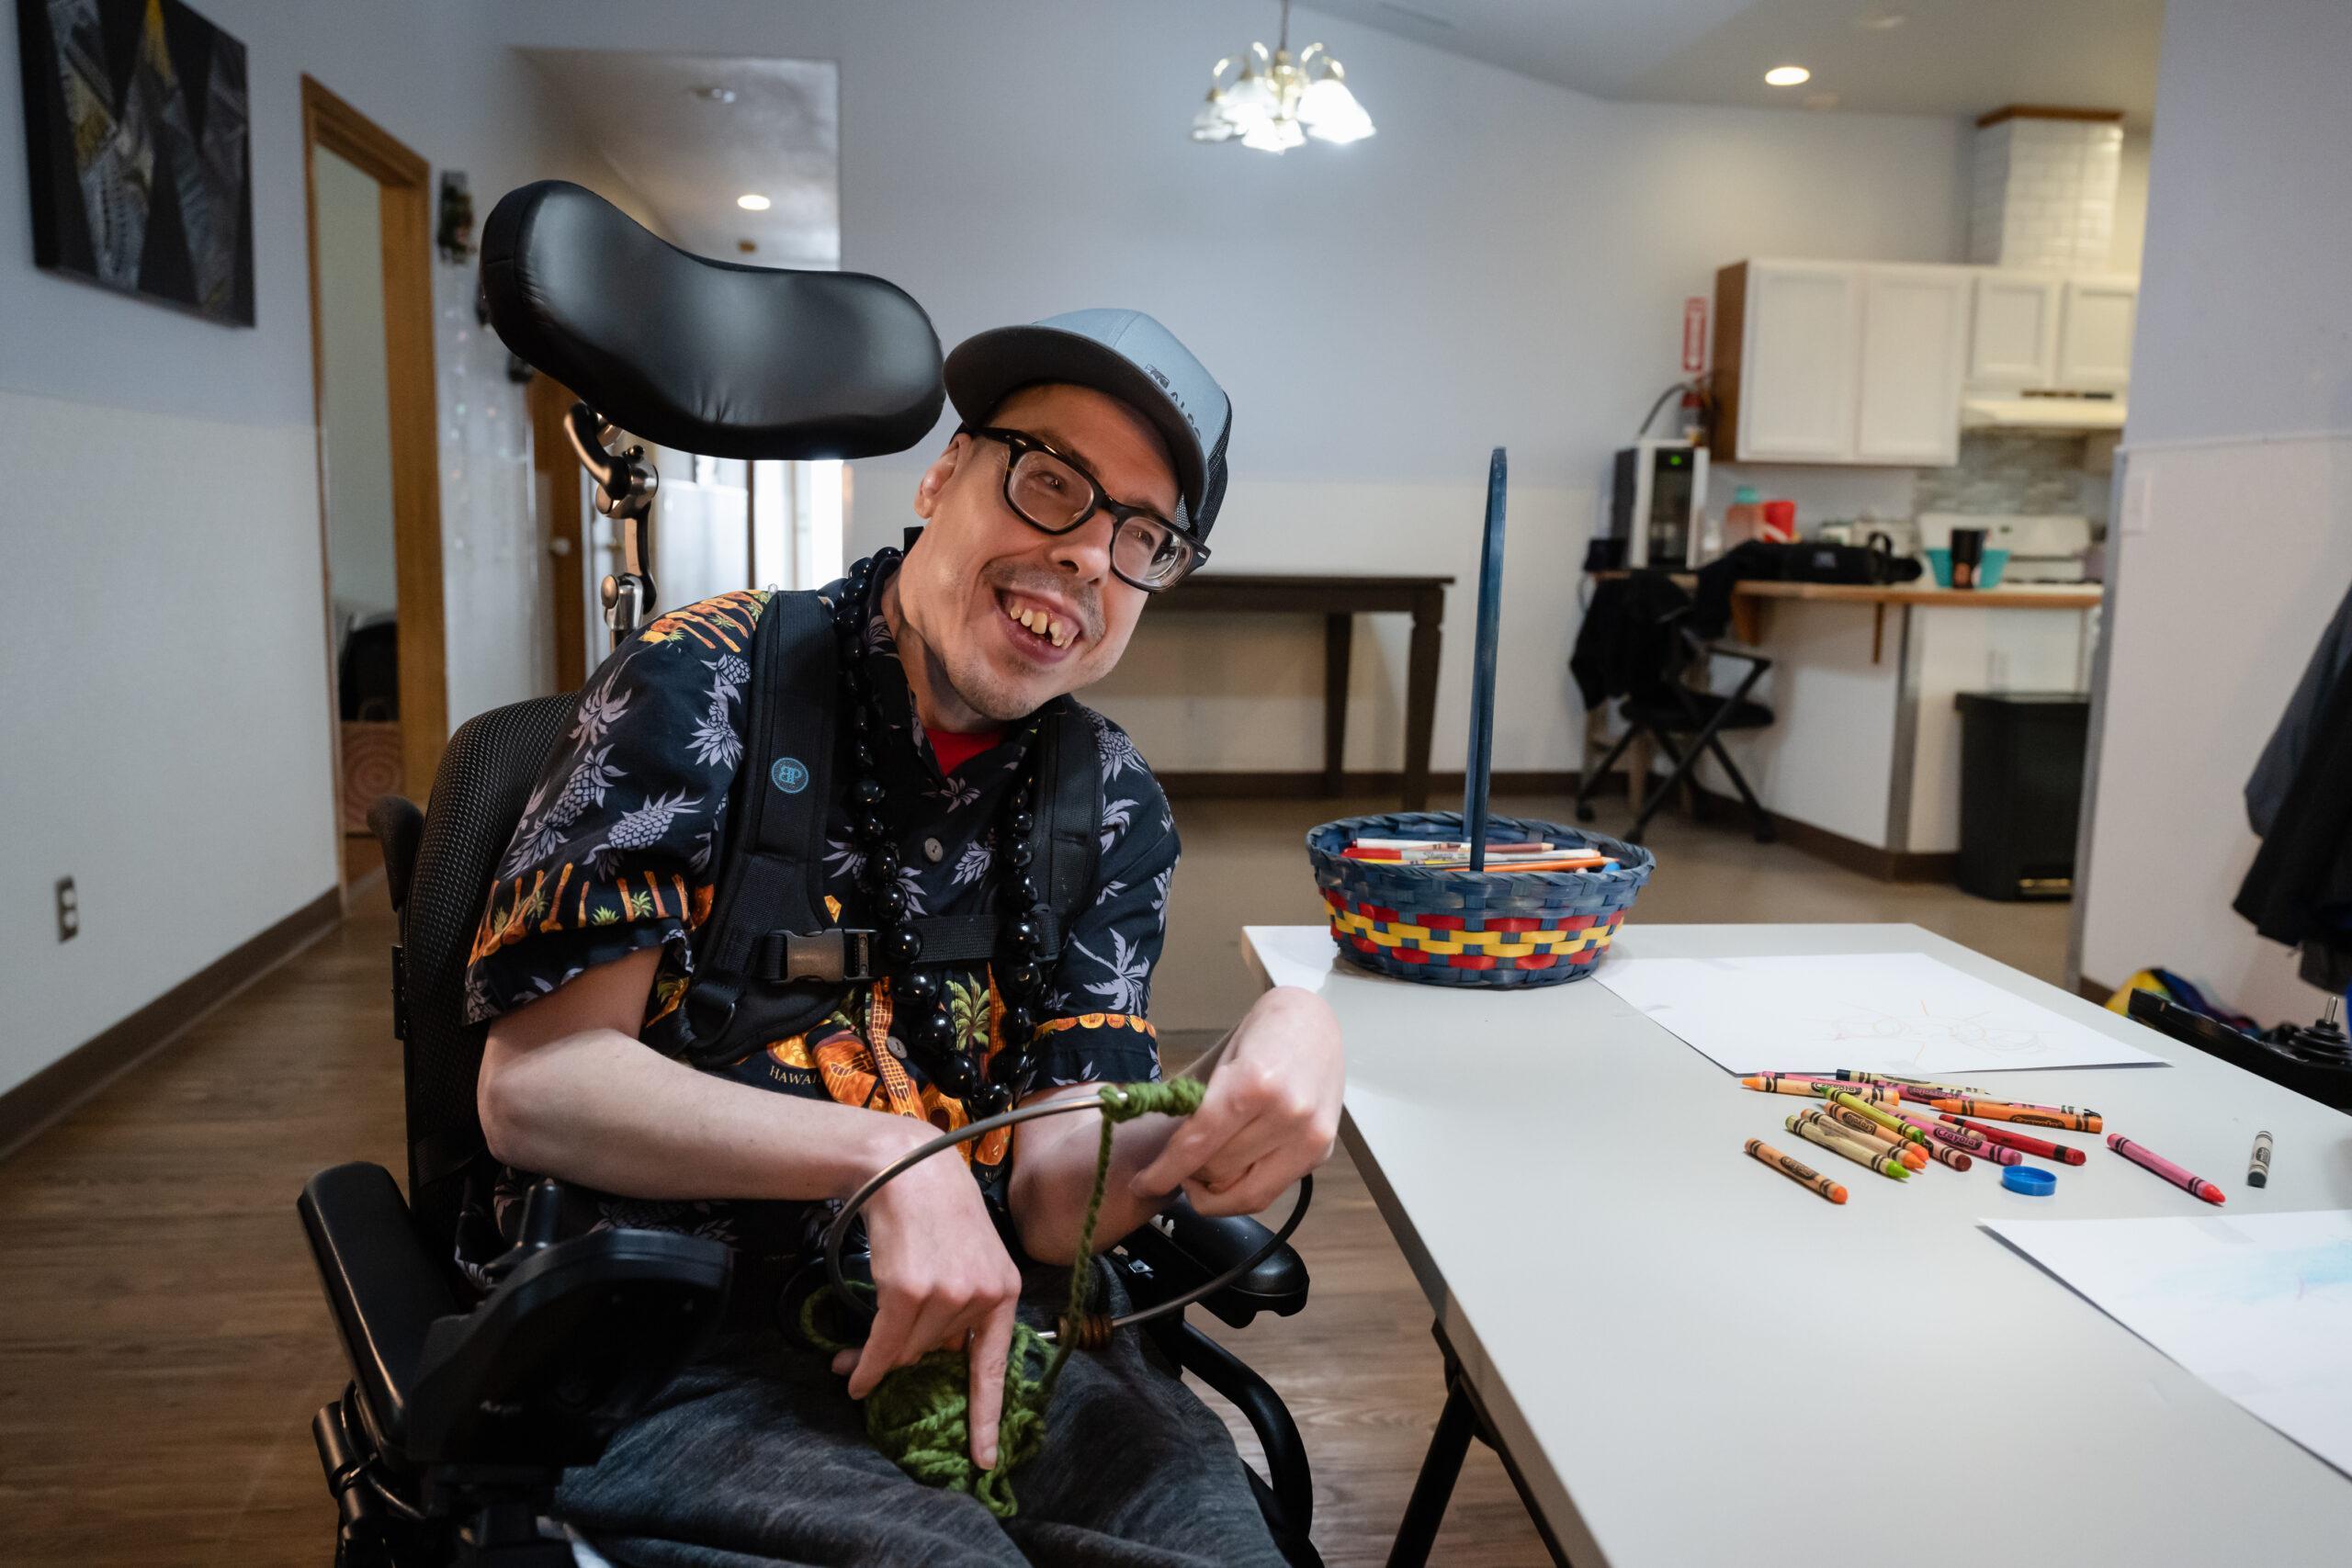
2259,1307
1903,1013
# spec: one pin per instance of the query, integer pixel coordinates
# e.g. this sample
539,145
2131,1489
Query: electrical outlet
69,910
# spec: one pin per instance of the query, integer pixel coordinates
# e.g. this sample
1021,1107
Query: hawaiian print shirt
618,849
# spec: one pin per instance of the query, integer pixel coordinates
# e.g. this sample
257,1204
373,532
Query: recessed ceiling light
751,202
1787,76
714,94
1881,21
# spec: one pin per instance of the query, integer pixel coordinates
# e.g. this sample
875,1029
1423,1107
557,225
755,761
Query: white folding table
1686,1359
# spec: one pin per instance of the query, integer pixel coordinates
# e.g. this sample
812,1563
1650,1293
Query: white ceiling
1945,57
690,157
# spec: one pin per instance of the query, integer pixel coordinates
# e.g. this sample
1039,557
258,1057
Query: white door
2095,343
2014,343
1914,358
1796,400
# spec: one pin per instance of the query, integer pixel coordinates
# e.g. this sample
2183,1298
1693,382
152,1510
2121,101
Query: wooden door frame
405,183
556,478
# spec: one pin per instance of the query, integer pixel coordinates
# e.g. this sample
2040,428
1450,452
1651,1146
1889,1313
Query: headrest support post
625,486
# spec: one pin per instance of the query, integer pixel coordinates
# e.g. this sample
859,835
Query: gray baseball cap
1127,354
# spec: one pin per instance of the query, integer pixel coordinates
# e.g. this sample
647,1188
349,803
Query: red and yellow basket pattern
1454,927
1502,942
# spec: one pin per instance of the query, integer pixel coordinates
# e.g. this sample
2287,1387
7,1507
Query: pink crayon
2148,1159
1957,1138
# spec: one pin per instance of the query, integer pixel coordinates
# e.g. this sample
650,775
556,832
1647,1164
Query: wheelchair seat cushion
706,356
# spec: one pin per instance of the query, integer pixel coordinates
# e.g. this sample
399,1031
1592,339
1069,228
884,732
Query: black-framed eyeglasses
1053,495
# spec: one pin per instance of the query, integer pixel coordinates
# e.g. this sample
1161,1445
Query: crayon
1780,1083
2066,1118
1910,1154
1951,1137
1802,1174
2257,1168
1888,1080
2148,1160
1885,1118
1813,1129
2042,1148
1944,1154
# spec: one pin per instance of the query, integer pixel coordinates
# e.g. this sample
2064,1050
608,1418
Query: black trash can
2020,791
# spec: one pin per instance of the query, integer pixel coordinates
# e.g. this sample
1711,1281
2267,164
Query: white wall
166,717
1504,264
2234,524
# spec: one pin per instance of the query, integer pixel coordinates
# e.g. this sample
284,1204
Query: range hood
2058,413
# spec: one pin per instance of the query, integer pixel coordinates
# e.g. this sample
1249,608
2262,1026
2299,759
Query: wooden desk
1749,598
1685,1358
1340,600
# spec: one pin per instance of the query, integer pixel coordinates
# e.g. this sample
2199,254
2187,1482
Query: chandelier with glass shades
1273,102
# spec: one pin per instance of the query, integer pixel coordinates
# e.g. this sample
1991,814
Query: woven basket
1462,928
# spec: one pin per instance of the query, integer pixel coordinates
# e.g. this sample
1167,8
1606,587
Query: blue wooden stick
1478,768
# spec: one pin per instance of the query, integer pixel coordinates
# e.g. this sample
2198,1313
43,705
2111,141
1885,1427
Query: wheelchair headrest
706,356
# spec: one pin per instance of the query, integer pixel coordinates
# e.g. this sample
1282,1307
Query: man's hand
940,1279
1270,1114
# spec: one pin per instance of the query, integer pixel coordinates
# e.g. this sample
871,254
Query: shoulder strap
1068,839
774,845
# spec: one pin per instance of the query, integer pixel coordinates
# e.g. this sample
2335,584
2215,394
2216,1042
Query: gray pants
754,1457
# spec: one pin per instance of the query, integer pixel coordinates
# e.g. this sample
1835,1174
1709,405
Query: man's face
979,569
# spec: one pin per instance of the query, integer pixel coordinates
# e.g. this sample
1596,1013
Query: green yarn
921,1414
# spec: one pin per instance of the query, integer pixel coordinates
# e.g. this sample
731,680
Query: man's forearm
1053,1177
597,1106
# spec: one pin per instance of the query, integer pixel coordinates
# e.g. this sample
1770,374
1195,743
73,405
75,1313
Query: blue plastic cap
2028,1179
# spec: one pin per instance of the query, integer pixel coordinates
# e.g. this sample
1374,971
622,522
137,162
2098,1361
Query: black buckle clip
844,954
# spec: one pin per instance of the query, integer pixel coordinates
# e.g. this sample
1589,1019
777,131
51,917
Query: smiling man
1085,478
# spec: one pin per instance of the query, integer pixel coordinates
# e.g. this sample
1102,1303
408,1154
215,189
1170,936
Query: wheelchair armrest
1180,1249
385,1291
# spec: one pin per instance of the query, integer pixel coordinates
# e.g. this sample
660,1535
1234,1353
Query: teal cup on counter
1988,570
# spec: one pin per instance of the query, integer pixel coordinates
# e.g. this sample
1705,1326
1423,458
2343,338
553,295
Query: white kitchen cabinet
1839,362
1914,358
2014,342
1799,365
2095,341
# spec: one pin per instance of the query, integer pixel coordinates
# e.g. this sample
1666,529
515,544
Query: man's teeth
1058,633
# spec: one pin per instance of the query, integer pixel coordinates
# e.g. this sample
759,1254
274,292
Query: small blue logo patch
789,775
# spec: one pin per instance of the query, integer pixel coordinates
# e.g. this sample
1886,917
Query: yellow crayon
1813,1129
1888,1119
1910,1154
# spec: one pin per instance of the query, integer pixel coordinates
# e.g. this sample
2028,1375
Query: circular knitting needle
839,1232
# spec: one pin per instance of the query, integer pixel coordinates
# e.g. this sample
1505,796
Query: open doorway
371,346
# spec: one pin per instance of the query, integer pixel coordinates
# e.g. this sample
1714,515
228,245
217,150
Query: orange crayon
2066,1118
1802,1174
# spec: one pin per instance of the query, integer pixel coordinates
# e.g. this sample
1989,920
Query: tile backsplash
2010,471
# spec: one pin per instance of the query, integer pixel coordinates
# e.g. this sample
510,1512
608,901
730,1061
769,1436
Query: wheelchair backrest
477,796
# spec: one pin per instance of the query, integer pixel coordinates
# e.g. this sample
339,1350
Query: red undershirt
954,751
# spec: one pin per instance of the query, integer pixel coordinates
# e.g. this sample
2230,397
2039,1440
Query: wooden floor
163,1343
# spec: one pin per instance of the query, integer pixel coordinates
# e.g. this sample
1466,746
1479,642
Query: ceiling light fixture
714,94
1787,76
751,202
1273,102
1881,21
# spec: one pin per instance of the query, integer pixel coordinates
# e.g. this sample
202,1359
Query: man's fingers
991,1344
1203,1132
1252,1192
844,1360
883,1344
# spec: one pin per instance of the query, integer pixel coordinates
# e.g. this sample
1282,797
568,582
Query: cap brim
987,368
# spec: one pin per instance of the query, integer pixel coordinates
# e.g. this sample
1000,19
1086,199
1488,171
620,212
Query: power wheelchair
471,1392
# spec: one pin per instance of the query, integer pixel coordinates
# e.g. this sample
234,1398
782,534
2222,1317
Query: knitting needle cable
837,1234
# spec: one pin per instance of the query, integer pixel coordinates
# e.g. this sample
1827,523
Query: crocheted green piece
921,1414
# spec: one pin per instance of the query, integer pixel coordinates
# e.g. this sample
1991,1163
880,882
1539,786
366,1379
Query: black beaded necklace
930,1031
